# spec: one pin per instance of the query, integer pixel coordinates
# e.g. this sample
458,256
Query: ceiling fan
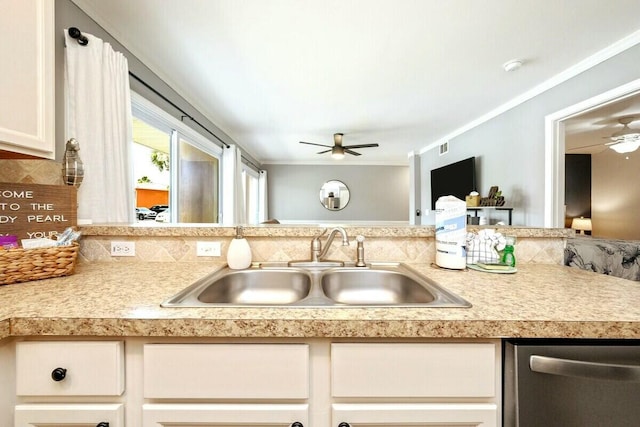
338,150
625,140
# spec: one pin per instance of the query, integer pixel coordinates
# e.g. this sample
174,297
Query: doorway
555,148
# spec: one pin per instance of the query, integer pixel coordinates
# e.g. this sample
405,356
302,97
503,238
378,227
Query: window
251,190
174,166
198,175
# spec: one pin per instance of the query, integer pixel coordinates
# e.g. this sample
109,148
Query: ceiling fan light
337,153
626,146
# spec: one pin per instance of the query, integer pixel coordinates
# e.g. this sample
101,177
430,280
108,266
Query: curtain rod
185,114
250,163
75,33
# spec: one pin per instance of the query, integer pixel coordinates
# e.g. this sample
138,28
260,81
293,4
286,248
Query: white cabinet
242,414
78,415
55,378
172,382
27,103
455,383
64,368
226,371
246,373
414,414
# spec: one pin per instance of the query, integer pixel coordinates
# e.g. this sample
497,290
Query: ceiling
587,133
400,73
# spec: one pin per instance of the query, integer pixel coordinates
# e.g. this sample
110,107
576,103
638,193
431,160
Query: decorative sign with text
32,211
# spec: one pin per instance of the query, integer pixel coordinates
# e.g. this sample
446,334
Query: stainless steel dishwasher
571,383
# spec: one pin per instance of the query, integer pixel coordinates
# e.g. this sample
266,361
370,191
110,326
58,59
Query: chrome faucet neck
318,252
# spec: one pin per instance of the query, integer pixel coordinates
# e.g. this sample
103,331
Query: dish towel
484,246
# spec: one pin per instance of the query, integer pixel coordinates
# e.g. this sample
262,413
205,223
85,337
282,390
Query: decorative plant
160,159
144,180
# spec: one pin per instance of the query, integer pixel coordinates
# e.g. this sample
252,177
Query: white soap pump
239,253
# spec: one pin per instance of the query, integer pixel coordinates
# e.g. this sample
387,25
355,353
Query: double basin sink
278,285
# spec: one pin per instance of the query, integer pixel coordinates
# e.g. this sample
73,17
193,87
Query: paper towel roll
451,232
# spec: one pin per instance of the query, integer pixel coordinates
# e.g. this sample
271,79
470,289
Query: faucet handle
322,233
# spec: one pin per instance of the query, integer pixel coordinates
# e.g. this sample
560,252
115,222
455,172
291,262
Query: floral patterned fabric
620,258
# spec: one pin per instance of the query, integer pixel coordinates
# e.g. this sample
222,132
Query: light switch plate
208,249
123,248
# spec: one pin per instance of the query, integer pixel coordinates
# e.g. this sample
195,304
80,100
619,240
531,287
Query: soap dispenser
239,253
507,255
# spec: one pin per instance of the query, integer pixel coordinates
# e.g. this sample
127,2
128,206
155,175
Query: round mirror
334,195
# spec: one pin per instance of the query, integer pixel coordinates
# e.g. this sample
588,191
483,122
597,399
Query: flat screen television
456,179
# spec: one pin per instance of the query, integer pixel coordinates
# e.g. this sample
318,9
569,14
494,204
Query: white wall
615,196
378,193
510,148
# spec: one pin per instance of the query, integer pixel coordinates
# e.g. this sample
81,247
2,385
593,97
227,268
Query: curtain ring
75,33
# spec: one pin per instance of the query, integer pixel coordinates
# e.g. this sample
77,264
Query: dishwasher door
571,383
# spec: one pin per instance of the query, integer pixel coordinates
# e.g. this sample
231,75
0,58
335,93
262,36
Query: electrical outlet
123,248
208,248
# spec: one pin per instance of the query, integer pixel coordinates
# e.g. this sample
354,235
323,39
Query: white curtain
98,116
263,213
233,211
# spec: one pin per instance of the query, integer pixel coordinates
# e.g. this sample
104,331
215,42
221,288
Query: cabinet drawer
413,370
83,414
81,368
240,414
416,414
226,371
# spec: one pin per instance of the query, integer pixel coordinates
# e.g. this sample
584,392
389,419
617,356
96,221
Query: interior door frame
554,202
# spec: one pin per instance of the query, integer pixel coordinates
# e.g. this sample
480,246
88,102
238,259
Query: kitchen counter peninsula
122,299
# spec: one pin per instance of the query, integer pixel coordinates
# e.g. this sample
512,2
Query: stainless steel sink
316,285
246,287
374,287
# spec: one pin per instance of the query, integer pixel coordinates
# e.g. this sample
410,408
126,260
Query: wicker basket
23,265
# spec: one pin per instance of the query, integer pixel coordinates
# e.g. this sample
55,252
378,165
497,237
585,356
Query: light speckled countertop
154,229
122,299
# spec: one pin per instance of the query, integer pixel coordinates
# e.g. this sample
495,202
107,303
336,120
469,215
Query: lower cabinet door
418,414
245,415
78,415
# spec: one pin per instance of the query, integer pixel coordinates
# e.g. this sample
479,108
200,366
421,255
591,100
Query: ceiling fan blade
346,150
313,143
322,152
361,146
587,146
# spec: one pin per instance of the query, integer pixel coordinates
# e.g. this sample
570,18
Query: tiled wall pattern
34,171
400,249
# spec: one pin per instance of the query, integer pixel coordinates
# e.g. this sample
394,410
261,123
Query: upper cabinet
27,104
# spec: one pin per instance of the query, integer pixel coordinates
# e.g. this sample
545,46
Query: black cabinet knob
297,424
102,424
58,374
344,425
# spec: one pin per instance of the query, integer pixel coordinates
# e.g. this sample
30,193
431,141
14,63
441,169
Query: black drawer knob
102,424
297,424
58,374
344,425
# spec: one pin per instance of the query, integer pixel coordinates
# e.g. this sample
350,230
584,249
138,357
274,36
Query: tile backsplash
412,250
32,171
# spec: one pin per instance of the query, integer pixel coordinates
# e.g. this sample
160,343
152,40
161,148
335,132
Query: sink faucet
317,252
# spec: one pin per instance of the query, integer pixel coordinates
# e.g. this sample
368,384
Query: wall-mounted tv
456,179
